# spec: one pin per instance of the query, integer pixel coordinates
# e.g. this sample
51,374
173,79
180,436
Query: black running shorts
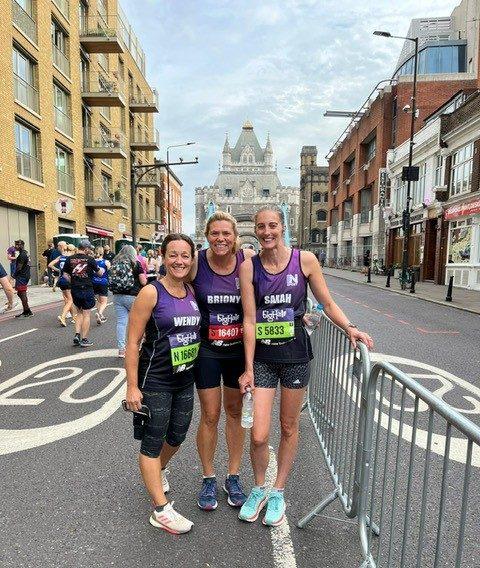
290,375
209,372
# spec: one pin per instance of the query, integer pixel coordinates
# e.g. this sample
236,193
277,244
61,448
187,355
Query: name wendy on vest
183,321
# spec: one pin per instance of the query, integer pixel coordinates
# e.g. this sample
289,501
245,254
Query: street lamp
168,178
409,176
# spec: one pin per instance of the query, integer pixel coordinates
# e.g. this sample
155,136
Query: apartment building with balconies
77,111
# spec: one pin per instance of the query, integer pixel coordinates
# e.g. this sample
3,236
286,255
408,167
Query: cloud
281,64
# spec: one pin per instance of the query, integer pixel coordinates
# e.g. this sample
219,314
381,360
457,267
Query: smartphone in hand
144,411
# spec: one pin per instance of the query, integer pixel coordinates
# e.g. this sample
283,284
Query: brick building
65,166
448,63
312,231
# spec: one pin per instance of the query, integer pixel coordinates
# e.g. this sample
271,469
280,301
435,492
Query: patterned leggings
290,375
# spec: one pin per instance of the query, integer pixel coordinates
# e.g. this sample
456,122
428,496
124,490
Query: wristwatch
352,325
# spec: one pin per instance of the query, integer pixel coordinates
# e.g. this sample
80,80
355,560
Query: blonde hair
224,216
71,247
99,251
273,209
62,245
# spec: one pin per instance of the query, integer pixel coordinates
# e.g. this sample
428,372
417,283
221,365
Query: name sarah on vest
181,321
278,299
223,299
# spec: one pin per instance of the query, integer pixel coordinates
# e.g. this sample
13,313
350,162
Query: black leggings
171,414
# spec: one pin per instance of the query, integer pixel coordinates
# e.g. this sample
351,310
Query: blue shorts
83,298
209,372
2,272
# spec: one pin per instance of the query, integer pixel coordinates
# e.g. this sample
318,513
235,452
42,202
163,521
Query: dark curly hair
177,237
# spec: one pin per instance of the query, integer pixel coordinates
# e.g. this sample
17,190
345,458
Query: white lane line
283,552
18,334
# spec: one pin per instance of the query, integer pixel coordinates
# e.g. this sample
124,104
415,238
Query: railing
63,6
60,60
347,223
24,21
100,194
25,93
366,216
29,166
99,139
141,99
107,26
96,82
63,122
65,182
144,136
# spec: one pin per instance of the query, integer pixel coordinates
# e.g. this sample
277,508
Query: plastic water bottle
312,318
247,410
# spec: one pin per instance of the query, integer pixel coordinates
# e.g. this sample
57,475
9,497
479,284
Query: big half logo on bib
225,329
275,325
184,348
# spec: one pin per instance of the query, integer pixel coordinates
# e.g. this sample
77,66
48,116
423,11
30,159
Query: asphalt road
71,492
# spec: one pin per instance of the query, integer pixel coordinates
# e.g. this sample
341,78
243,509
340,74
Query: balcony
142,103
99,144
102,34
63,122
63,7
99,197
25,23
101,90
144,139
60,60
29,166
26,94
150,179
65,182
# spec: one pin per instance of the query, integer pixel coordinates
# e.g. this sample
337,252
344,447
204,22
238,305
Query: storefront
463,254
99,236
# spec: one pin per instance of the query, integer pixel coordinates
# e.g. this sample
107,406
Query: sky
280,64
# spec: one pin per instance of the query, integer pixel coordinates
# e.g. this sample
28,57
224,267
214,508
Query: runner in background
141,257
22,277
161,377
152,266
108,254
215,278
277,349
12,258
9,291
57,265
100,285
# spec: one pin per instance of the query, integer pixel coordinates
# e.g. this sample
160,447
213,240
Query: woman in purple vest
161,376
216,281
277,349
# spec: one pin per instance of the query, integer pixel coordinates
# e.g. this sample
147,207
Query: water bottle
247,410
312,318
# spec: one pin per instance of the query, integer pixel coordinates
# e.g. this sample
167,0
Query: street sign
382,186
64,205
122,227
161,228
410,173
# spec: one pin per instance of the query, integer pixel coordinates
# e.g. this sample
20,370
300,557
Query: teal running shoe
253,505
275,509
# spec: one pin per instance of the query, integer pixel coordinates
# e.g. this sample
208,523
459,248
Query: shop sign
98,231
382,186
63,206
122,227
463,209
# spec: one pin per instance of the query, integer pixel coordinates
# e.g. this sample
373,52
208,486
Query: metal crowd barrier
334,403
398,456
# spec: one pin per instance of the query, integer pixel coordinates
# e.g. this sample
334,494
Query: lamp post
413,110
168,178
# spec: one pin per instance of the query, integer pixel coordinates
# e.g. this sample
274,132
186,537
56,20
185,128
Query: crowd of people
222,319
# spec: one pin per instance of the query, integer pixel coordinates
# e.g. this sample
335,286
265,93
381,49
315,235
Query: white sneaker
99,318
169,520
165,484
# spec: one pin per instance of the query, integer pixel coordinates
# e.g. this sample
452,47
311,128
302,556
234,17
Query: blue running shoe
207,498
275,509
253,505
232,487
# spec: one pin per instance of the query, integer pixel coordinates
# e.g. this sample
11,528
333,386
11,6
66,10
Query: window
316,197
107,187
265,192
61,103
24,74
347,214
24,18
84,75
418,189
323,236
228,192
63,162
229,208
350,168
438,170
250,159
27,146
335,180
321,215
83,16
292,221
461,176
460,241
399,195
334,220
315,236
103,61
60,48
437,59
102,9
370,149
365,205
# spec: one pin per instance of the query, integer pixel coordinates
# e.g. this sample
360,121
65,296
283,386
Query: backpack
121,278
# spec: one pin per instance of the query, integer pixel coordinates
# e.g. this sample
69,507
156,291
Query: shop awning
99,231
463,209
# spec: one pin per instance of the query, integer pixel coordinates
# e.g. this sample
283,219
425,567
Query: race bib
275,325
183,350
225,329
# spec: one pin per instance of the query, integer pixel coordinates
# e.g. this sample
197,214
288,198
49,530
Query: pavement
462,299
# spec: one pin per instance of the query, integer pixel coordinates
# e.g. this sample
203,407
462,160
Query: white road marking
19,334
283,552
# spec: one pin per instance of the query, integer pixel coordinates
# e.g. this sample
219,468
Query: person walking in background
57,265
108,254
9,291
322,257
161,376
127,277
80,268
12,259
152,266
22,277
141,257
50,253
366,261
100,285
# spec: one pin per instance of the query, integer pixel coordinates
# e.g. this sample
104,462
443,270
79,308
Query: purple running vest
281,301
220,304
172,341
